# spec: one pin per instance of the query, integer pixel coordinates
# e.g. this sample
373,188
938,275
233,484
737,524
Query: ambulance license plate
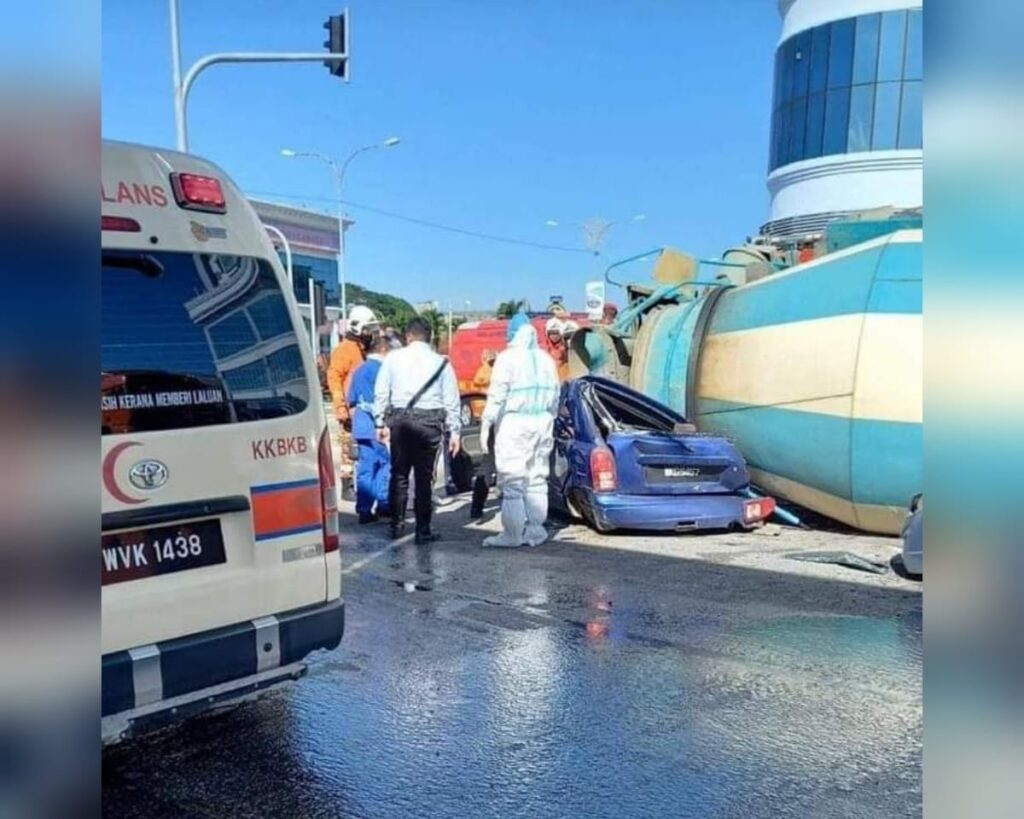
161,550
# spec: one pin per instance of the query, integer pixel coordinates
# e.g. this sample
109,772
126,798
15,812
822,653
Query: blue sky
510,114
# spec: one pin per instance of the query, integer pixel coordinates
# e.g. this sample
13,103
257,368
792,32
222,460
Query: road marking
353,567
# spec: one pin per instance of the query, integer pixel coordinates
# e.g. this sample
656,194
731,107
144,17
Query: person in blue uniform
373,468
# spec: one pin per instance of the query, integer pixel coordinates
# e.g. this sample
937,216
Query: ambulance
219,546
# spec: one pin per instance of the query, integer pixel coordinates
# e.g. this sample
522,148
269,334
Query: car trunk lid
676,464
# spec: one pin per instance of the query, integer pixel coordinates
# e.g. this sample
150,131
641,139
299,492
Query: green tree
507,309
389,309
438,324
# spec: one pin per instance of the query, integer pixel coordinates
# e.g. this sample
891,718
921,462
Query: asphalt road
592,676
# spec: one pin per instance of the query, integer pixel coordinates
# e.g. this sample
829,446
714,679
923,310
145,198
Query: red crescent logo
109,464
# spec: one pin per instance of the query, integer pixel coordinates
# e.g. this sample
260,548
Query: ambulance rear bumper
167,681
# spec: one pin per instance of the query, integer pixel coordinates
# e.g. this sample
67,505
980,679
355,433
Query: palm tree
438,324
507,309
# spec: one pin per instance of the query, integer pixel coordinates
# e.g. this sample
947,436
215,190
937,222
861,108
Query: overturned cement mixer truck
813,367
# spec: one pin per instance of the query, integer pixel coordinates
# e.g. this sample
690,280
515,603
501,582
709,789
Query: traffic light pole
181,97
183,86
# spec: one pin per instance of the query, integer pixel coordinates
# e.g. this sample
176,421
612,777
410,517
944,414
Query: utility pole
336,61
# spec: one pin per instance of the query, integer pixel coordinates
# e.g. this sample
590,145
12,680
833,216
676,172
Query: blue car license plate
682,471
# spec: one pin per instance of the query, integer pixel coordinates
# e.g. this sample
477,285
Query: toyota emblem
148,474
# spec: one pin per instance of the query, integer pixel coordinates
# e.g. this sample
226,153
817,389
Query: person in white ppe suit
521,404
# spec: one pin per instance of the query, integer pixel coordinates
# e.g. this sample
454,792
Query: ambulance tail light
121,223
196,192
602,470
328,492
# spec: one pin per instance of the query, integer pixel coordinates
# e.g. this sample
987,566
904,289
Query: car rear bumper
668,513
168,674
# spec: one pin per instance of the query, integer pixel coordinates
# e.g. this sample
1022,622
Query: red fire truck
471,339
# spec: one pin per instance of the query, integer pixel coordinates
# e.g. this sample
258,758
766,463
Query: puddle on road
848,638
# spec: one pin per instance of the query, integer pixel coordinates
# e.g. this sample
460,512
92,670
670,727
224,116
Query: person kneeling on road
416,400
373,466
521,403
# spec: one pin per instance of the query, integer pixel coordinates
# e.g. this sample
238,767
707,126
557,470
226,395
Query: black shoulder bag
394,414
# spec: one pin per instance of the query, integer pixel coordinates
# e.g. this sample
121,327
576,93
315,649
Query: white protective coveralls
522,401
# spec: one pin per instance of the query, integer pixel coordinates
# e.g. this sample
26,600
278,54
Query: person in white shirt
416,401
522,402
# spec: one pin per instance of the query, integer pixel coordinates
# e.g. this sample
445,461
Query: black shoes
422,538
365,519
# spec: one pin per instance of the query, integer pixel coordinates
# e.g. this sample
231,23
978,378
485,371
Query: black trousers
416,436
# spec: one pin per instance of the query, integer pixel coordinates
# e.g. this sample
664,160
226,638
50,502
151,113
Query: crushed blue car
622,460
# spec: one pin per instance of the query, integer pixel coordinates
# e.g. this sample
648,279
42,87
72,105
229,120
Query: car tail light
758,509
602,470
122,223
328,492
195,192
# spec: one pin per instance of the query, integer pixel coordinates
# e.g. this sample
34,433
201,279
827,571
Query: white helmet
554,325
360,319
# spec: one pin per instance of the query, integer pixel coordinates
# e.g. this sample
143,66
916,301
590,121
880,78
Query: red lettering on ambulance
136,194
141,193
278,447
124,194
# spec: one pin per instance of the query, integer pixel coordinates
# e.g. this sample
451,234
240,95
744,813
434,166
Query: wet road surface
565,681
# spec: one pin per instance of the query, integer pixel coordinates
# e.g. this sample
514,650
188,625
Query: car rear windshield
194,339
621,409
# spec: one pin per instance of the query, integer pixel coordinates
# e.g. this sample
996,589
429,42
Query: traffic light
337,43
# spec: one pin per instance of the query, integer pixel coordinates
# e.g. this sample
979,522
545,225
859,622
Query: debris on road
847,559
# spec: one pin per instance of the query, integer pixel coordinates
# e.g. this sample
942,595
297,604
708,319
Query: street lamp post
595,229
338,172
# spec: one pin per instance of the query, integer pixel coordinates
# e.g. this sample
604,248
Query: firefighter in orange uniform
345,359
557,347
482,380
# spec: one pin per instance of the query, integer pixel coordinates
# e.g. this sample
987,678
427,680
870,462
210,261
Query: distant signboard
595,300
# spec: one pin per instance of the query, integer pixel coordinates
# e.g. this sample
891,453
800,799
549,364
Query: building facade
846,132
313,239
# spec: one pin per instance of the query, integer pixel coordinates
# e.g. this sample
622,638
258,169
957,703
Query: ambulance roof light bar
193,191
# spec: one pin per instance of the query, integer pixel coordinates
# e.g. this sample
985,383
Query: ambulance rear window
192,339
